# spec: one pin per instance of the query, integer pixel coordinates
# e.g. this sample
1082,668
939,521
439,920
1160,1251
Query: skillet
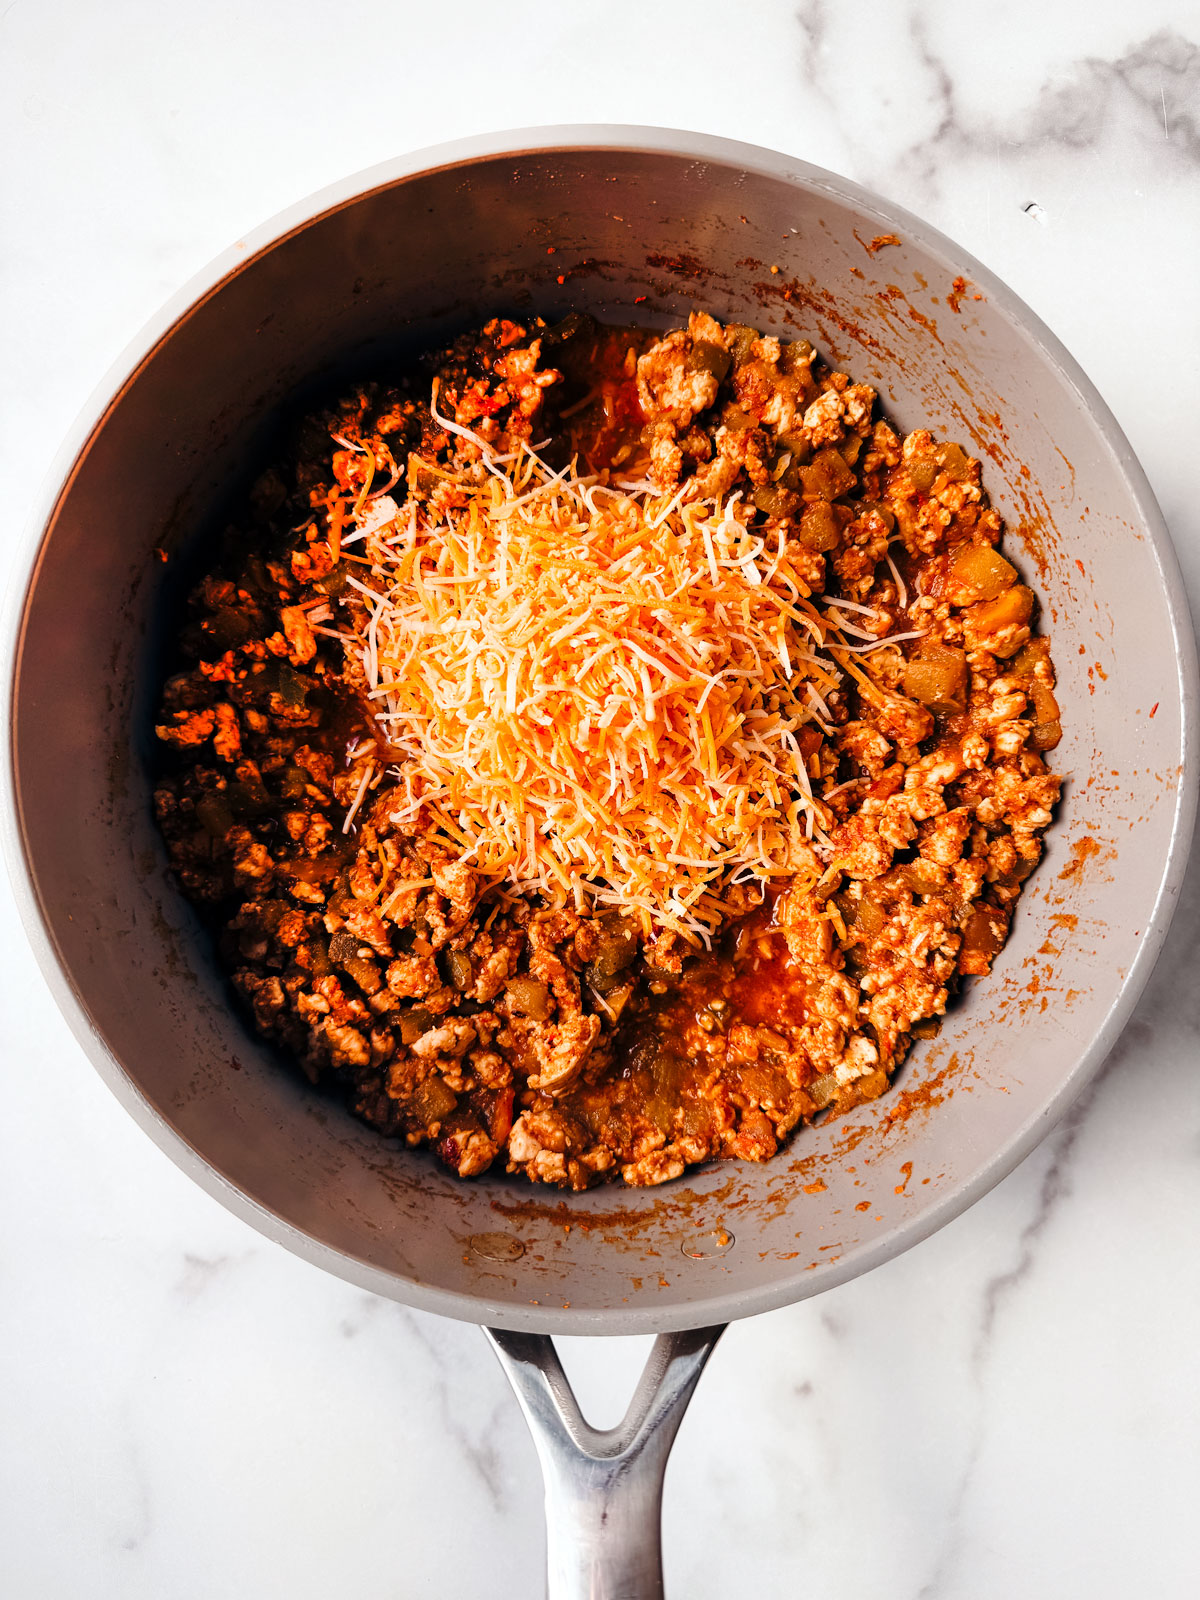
633,225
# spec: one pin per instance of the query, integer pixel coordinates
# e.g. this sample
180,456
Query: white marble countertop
1010,1409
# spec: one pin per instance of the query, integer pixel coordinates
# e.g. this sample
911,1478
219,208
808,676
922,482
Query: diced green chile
668,1071
293,689
293,783
529,997
954,461
827,477
415,1023
796,355
983,932
704,356
226,629
277,678
573,324
819,527
335,582
433,1101
921,473
617,948
254,575
982,571
799,444
937,678
365,973
821,1091
248,798
923,877
214,814
462,975
789,477
775,501
739,338
615,1001
870,918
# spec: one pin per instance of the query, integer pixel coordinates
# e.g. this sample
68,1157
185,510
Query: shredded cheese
594,689
359,796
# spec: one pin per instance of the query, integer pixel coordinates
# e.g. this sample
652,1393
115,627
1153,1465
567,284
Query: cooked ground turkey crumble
571,1047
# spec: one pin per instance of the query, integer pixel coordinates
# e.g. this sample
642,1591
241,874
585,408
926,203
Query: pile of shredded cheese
597,692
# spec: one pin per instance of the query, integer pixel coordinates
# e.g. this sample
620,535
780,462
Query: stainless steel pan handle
604,1487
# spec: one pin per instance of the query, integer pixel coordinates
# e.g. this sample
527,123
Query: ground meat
571,1045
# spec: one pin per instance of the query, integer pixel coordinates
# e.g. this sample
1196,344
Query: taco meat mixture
598,752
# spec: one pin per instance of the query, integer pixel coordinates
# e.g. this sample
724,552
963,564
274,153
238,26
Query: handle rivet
700,1246
496,1246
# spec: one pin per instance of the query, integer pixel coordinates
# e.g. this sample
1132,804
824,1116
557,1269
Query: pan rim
788,1287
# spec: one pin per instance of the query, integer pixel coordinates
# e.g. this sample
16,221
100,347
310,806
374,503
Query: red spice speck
1082,851
1154,708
